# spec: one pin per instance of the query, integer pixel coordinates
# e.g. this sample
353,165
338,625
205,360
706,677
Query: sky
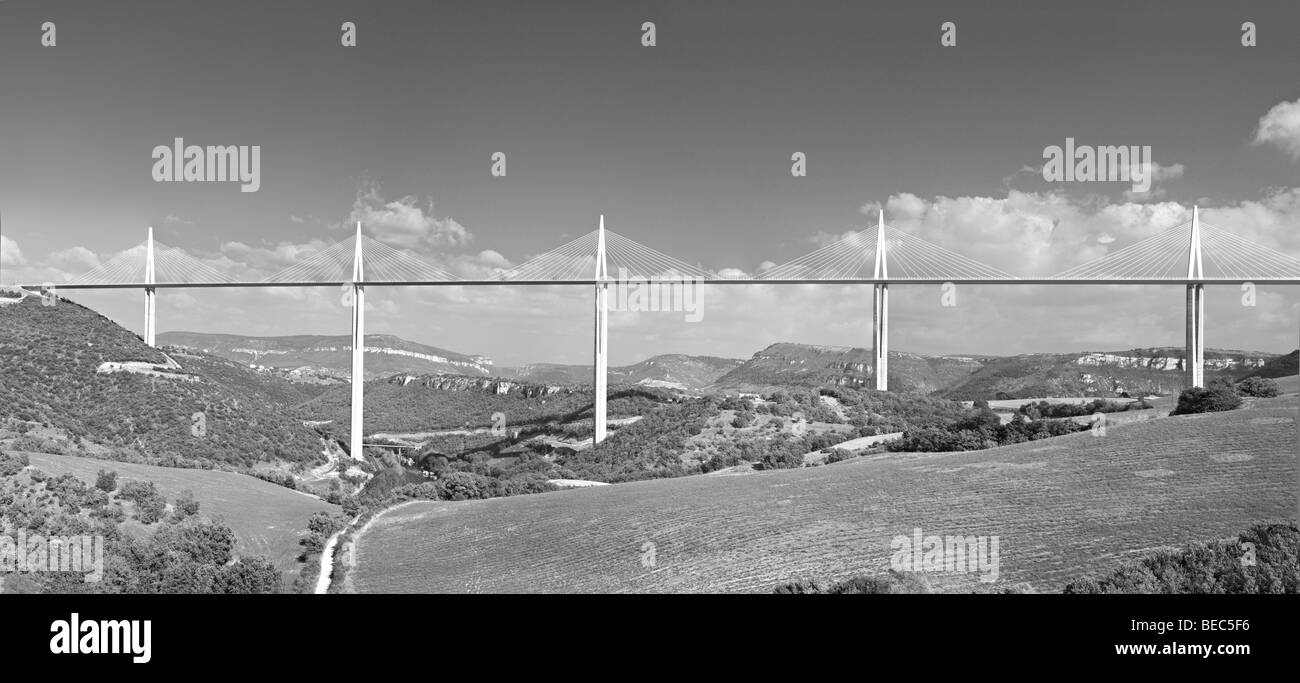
684,146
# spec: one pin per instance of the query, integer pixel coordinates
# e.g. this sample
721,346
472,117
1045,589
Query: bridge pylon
1194,360
600,388
150,311
880,312
357,448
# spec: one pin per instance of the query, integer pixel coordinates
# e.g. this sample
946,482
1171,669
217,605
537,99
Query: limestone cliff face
489,385
331,356
1162,362
1136,372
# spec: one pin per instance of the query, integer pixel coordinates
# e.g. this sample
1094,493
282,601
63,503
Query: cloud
1007,181
1280,127
490,257
1159,174
738,274
79,259
266,260
10,254
405,222
296,219
823,238
1042,233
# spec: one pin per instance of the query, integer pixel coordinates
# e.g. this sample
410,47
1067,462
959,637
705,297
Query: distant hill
408,403
676,371
1143,371
74,370
309,356
1279,366
805,365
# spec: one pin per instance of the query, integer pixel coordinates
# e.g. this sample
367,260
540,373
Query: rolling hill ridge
806,365
676,371
1142,371
75,370
331,356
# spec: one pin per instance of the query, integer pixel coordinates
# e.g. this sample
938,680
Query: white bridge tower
358,349
600,387
880,312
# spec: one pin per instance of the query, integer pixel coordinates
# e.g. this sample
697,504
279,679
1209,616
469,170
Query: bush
1216,567
893,582
106,481
1219,396
149,503
780,460
351,506
320,527
12,463
186,505
194,556
250,575
1261,387
837,454
462,486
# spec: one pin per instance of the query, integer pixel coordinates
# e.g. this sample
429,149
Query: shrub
248,575
780,460
186,505
1219,396
149,503
351,506
106,481
462,486
12,463
837,454
1215,567
320,527
1261,387
893,582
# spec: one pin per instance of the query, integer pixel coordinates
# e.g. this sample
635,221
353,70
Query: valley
257,429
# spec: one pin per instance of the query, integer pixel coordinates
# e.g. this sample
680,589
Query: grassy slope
49,361
1062,508
267,519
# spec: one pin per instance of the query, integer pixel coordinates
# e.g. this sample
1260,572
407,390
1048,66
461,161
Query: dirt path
327,553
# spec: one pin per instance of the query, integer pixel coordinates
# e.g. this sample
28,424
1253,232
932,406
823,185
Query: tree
11,464
1261,387
149,503
247,576
186,505
106,481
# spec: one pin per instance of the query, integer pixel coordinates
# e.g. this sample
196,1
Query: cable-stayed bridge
1191,253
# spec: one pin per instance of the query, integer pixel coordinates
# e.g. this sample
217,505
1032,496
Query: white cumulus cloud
1280,127
406,222
10,254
